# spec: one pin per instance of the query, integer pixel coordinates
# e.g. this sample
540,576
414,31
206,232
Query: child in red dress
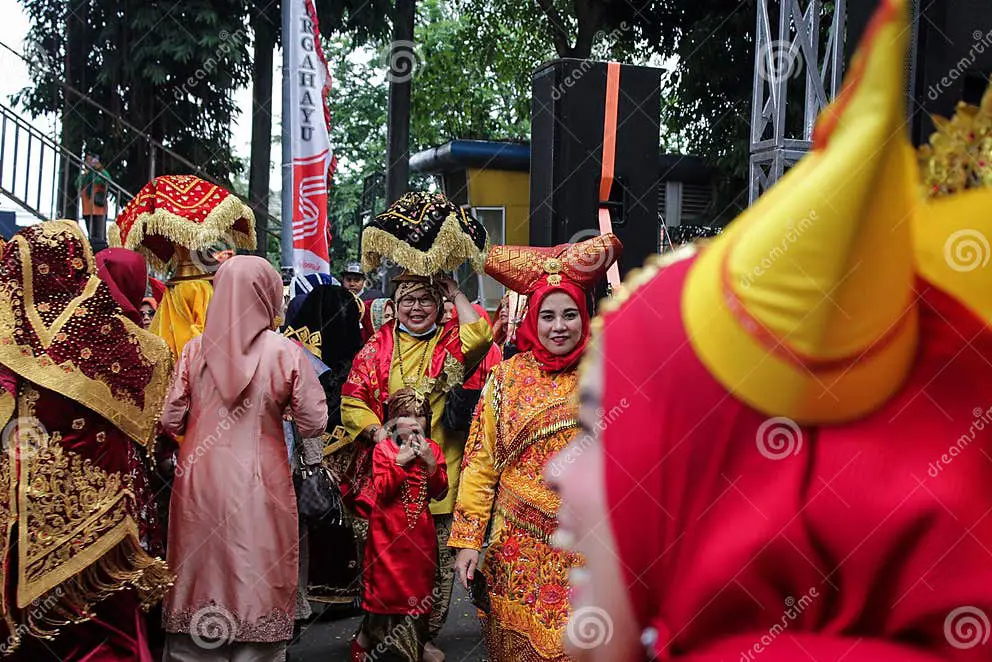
408,471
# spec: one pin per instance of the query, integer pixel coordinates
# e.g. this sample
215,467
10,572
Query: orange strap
609,159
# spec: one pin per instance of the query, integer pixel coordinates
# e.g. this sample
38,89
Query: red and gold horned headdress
186,211
525,268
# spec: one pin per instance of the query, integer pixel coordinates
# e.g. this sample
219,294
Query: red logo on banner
310,204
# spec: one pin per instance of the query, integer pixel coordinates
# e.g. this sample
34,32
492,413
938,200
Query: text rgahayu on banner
310,145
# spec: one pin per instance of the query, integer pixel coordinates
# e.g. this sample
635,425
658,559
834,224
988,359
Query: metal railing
35,170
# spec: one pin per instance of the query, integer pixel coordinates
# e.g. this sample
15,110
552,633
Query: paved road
325,639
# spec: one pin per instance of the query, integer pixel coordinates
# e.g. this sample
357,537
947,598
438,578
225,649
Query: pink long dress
233,537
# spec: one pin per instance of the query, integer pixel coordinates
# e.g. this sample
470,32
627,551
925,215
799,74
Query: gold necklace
416,382
414,504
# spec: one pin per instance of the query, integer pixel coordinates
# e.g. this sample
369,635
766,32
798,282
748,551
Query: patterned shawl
79,382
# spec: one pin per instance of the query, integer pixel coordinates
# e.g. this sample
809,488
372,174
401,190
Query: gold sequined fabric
959,154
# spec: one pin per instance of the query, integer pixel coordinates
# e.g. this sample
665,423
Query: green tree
464,87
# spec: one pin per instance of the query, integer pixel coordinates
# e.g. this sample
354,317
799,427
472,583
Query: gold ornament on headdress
309,340
959,155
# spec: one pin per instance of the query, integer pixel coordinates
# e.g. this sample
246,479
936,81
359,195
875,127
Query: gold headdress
959,155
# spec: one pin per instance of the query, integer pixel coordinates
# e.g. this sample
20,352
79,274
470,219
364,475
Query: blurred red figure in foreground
796,466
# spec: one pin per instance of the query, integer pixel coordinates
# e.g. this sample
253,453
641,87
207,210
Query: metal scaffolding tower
785,53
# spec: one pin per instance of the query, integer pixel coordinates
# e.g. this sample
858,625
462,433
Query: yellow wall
503,188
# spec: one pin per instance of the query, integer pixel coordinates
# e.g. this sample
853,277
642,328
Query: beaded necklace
414,504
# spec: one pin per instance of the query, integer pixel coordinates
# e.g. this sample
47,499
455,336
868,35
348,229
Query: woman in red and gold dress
527,414
81,388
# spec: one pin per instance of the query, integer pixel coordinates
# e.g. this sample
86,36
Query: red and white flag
310,146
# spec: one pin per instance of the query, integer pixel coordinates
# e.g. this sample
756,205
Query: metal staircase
32,173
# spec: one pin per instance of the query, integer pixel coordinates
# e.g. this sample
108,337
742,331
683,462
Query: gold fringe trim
194,236
7,405
114,236
451,247
541,433
126,566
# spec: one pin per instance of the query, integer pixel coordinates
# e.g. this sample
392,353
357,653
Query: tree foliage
168,67
465,85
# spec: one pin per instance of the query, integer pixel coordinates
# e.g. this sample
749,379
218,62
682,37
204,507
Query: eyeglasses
407,303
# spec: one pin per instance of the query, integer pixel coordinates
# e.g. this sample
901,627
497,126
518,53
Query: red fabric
878,523
151,302
184,197
477,379
117,633
527,337
94,340
158,288
400,560
125,274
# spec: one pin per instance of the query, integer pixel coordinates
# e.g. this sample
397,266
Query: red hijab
528,339
125,273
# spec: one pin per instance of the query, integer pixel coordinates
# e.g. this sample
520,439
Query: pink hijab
247,298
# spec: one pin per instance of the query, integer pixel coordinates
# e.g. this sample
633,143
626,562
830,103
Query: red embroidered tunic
401,551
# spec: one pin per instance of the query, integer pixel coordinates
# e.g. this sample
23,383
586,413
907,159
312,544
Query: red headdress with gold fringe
186,211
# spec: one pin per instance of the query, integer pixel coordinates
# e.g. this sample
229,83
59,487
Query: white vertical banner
309,83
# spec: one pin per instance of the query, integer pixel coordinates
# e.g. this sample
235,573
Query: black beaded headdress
425,233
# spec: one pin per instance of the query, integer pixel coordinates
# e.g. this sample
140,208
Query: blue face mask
426,334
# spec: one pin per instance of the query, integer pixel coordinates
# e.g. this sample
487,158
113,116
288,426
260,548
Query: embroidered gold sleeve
477,489
476,339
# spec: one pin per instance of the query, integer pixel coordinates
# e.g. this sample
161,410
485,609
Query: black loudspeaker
567,117
952,58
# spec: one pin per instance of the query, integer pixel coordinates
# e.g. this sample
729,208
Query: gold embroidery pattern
76,533
528,584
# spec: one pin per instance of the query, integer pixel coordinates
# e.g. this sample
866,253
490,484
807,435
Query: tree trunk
398,122
261,126
72,121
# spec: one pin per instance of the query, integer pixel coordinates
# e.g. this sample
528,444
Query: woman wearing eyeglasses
415,351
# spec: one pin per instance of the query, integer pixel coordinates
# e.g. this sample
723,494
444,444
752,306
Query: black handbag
478,591
459,407
318,497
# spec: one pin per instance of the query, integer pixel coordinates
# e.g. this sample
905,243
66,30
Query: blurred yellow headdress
804,306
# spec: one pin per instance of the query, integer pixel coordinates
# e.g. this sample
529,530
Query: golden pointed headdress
953,232
803,307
